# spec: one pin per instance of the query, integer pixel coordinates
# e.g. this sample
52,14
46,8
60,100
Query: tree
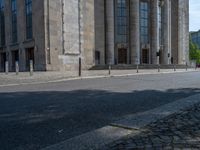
194,52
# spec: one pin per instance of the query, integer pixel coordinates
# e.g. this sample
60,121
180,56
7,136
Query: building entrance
2,61
29,56
122,56
145,56
15,57
97,57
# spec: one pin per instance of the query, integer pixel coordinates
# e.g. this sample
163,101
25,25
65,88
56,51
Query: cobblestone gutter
178,131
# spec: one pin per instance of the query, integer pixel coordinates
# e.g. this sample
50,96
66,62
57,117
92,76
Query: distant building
195,37
55,34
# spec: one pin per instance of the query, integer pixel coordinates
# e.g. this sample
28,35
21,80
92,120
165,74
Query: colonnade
163,50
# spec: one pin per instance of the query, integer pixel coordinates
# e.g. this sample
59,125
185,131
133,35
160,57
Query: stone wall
71,27
53,33
71,34
88,33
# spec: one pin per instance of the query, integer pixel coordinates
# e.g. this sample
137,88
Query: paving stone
180,131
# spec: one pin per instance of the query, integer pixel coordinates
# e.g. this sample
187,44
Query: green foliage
194,52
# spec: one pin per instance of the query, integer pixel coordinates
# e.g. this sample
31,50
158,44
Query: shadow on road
33,120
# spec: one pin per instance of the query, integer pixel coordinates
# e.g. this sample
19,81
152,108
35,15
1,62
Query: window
29,26
14,20
144,22
121,21
2,23
160,26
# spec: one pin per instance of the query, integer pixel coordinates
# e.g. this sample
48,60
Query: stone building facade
58,34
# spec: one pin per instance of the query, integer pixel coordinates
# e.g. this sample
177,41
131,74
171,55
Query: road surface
36,116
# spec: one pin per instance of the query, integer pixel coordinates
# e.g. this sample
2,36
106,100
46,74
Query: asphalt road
36,116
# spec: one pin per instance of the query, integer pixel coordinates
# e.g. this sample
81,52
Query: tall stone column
110,31
183,31
135,31
166,32
100,29
7,16
170,33
155,30
21,27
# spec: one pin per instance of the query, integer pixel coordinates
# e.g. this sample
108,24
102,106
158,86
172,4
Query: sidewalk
44,77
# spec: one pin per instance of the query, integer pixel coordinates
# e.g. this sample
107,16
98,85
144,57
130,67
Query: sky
194,15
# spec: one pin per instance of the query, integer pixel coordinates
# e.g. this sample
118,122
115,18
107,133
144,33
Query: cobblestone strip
177,131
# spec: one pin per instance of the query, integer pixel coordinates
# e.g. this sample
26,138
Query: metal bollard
31,67
109,69
79,68
6,67
137,68
186,66
158,68
17,67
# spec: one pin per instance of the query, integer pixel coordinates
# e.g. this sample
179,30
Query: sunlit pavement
22,78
